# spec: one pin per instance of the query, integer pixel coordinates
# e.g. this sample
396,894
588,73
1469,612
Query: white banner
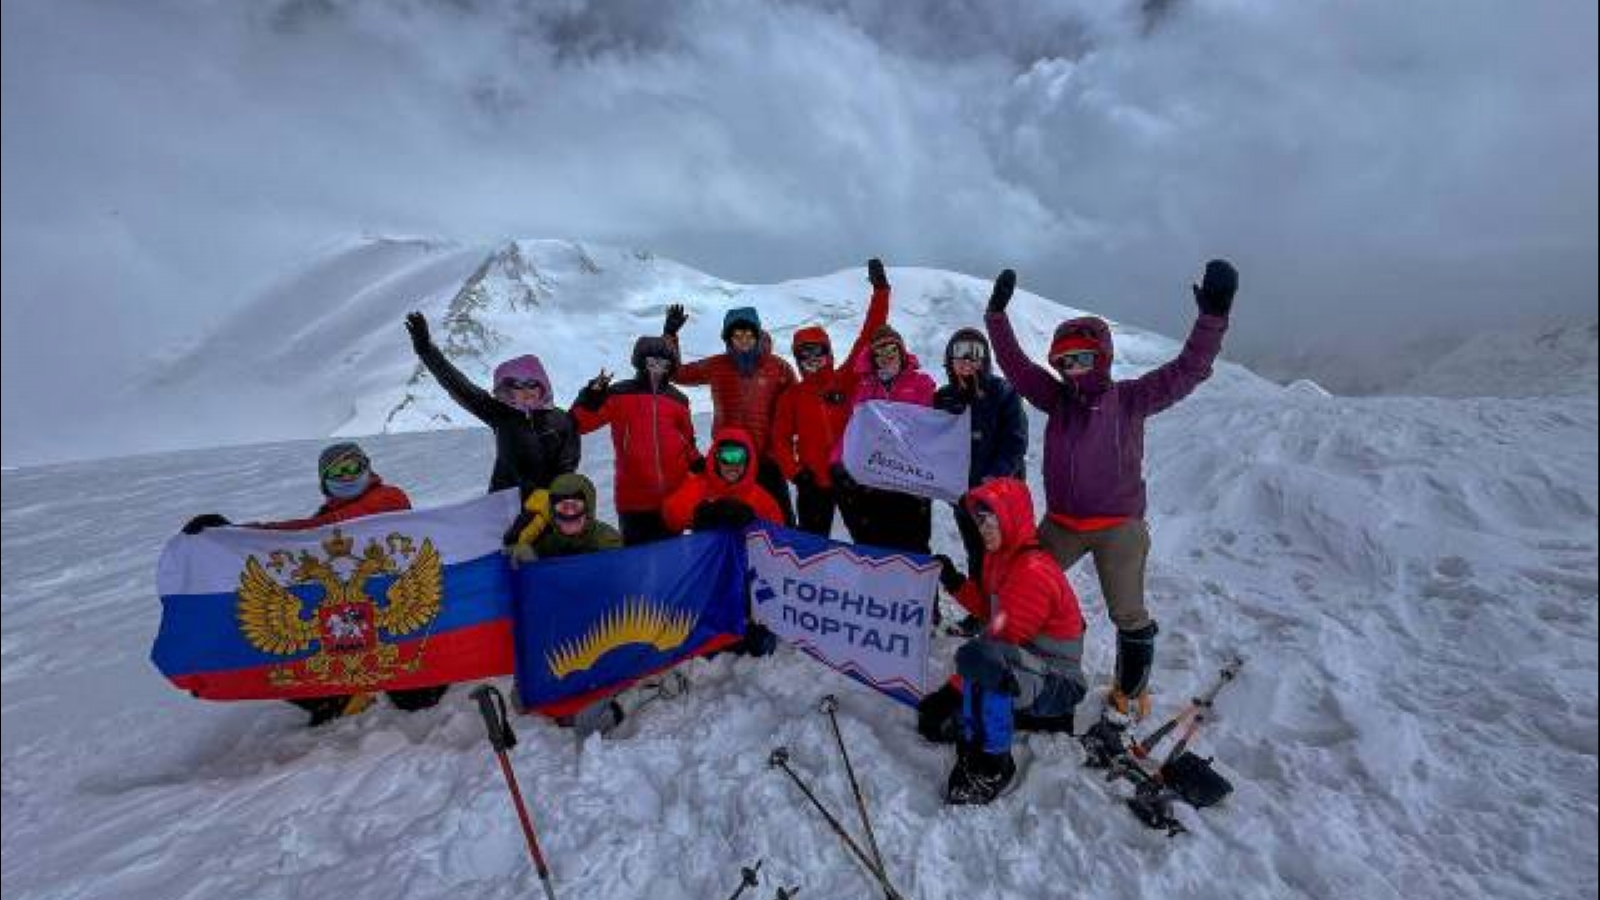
863,611
908,448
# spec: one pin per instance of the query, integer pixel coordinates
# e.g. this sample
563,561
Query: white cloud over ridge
1377,170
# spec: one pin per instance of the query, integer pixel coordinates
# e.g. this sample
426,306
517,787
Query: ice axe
492,705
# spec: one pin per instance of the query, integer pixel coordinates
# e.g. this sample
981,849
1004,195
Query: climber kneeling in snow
1094,455
724,492
352,490
1025,669
561,521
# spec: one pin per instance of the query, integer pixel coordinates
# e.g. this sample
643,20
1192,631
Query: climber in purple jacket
1094,454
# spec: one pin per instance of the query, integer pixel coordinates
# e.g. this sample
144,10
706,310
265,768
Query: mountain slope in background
1526,363
325,353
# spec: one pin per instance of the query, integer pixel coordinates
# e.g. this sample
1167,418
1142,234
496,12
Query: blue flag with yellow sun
589,626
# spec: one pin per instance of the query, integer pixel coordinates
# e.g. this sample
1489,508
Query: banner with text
908,448
864,611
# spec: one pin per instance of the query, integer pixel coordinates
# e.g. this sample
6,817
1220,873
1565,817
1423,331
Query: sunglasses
986,518
886,351
1083,359
656,364
807,352
733,455
521,384
569,507
970,351
347,469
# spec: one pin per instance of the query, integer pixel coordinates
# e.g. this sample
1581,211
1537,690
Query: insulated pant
971,541
645,527
998,678
771,480
814,507
888,519
1119,558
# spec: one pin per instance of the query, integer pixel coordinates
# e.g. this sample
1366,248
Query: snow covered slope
1413,581
1516,364
325,352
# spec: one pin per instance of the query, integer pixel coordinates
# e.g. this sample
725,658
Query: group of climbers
772,428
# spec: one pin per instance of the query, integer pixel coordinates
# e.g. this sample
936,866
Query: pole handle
492,706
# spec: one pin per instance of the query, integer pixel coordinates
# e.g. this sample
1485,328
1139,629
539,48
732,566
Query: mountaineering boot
1130,688
939,715
325,709
1026,721
979,777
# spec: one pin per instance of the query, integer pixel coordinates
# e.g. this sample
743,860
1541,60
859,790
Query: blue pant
999,678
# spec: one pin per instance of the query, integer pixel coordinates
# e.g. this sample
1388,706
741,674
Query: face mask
347,489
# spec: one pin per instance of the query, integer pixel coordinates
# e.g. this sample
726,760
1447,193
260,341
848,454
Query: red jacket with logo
1024,594
652,438
811,416
377,498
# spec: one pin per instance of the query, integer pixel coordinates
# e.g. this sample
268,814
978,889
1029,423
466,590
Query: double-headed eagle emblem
344,626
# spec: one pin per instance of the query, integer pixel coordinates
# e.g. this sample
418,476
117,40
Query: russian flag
392,601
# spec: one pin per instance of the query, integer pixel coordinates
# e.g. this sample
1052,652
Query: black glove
950,576
841,478
418,326
1214,293
805,479
698,465
675,319
203,521
725,512
939,715
950,401
593,395
833,398
876,275
1004,285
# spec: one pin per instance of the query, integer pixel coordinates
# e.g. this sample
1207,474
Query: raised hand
875,274
1004,285
676,316
417,325
1214,293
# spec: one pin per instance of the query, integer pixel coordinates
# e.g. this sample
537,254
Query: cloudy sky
1380,171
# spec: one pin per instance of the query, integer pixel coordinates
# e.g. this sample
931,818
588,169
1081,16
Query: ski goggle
1083,359
571,507
522,384
345,468
970,351
733,454
809,352
655,365
986,517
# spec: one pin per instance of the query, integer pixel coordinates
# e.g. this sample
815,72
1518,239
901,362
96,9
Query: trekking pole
748,879
1197,706
780,760
829,705
493,707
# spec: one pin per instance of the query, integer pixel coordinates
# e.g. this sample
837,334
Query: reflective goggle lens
1080,358
569,507
346,469
971,351
733,454
806,352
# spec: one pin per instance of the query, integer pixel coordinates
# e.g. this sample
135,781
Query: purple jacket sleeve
1033,381
1165,385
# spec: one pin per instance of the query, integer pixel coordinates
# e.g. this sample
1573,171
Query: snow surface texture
1413,581
340,363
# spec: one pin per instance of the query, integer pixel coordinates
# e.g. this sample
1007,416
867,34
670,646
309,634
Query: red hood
1095,329
811,334
1009,498
730,434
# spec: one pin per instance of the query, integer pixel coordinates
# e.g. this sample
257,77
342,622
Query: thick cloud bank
1379,171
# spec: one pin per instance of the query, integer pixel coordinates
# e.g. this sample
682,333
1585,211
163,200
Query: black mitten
1003,288
1214,293
203,521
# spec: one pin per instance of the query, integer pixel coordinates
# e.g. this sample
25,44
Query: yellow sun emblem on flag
636,621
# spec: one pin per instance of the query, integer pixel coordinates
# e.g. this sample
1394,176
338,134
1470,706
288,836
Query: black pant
325,709
887,519
971,541
814,508
771,480
642,527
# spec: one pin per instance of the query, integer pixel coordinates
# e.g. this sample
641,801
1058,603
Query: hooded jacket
811,416
531,446
739,399
911,385
596,535
1094,440
708,487
999,425
1025,598
652,433
377,498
